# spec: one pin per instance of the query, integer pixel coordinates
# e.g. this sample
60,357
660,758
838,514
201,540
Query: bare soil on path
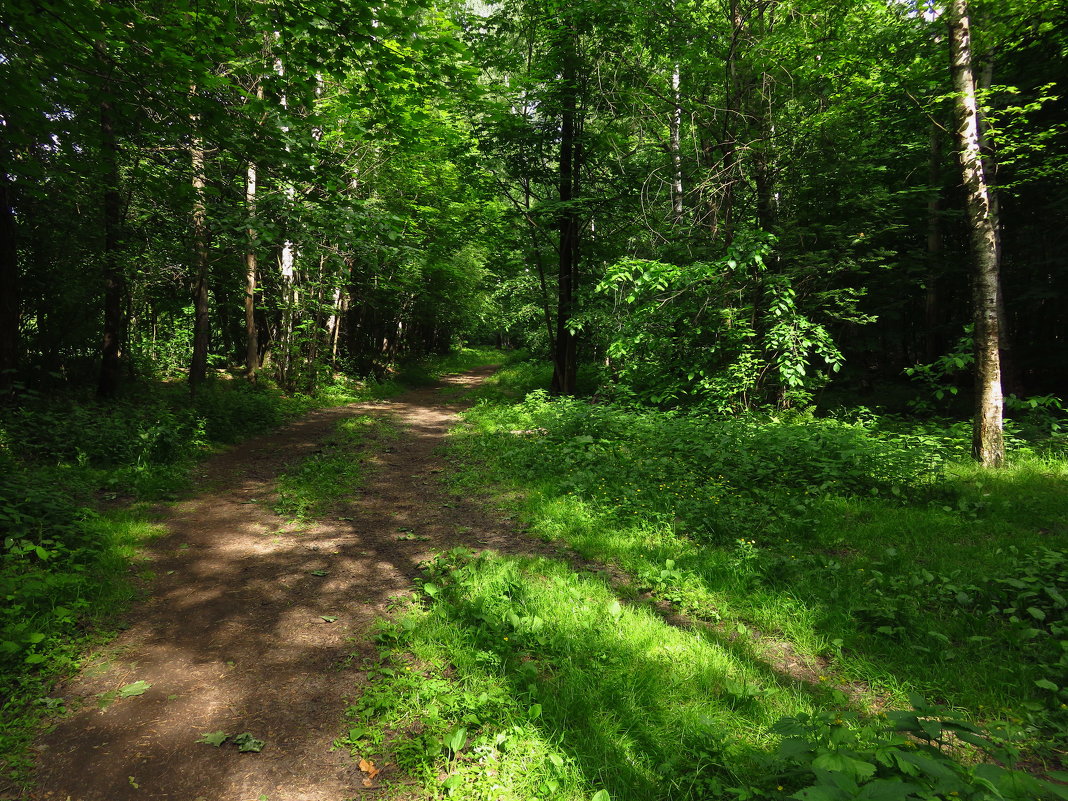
236,635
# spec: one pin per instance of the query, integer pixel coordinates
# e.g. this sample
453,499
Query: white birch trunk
987,435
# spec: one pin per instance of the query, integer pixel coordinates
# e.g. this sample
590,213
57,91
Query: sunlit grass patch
308,489
554,680
874,553
518,678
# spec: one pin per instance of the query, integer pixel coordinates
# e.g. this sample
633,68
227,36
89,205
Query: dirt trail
232,637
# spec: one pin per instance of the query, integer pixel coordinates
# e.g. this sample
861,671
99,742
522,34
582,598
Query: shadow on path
233,638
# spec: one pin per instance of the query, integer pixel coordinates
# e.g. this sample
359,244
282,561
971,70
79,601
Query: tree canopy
714,204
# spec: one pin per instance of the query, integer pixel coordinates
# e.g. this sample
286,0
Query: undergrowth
518,678
865,549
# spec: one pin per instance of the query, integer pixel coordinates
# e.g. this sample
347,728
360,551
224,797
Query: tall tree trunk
252,346
987,437
286,338
201,322
565,366
9,290
675,146
114,285
1010,376
932,340
333,322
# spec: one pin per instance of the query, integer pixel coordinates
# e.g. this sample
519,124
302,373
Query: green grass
312,487
426,372
519,678
843,566
562,689
61,598
845,540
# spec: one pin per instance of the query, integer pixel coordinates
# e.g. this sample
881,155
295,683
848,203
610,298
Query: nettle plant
1026,614
726,334
920,754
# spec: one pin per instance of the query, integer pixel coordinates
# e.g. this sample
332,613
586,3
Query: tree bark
565,366
988,444
252,346
675,146
1010,377
201,321
114,284
9,290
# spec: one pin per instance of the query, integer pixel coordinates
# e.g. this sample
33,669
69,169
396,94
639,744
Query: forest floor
253,624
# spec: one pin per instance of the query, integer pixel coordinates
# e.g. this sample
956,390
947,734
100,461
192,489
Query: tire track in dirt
232,635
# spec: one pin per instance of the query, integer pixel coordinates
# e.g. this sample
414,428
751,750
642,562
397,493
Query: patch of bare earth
236,636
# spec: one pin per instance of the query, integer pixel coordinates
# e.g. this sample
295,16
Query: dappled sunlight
250,622
861,565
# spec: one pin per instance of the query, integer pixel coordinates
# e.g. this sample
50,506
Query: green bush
916,755
47,551
684,467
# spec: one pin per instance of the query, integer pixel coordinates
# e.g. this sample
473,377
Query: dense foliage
725,226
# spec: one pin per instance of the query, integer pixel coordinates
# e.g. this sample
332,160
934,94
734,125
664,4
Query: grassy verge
518,678
845,568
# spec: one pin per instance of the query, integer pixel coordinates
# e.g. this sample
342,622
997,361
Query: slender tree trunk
675,146
317,333
252,346
565,366
201,321
1010,376
987,436
286,338
114,285
9,290
933,345
333,322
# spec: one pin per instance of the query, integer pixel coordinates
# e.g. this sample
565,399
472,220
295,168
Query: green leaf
215,738
615,611
1036,613
793,748
319,573
247,743
457,740
1046,684
887,790
601,795
841,763
452,782
328,618
137,688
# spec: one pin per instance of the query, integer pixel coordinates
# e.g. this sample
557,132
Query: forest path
232,636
